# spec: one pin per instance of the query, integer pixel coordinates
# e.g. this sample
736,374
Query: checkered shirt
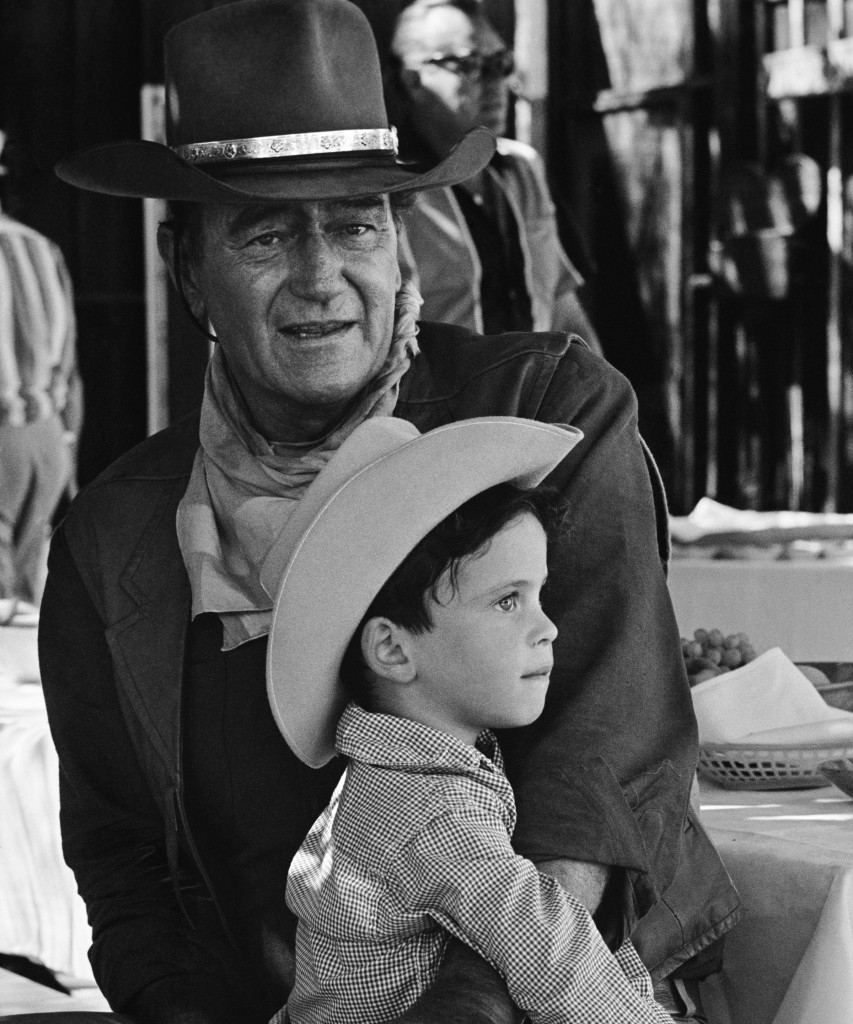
415,845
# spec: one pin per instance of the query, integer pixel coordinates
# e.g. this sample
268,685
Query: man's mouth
306,330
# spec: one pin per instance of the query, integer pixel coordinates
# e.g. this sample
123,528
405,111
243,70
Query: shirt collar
391,742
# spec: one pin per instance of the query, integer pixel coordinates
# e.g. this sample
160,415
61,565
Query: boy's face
487,660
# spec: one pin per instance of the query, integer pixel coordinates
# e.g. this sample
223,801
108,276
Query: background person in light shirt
485,254
41,402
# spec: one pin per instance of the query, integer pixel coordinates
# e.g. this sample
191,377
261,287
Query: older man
181,805
486,253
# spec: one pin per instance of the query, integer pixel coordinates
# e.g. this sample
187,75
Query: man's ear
180,263
386,650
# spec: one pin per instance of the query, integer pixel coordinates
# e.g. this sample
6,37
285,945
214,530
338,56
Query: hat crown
272,67
271,101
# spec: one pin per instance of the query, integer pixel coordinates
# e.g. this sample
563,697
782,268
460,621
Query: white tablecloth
806,608
790,853
41,914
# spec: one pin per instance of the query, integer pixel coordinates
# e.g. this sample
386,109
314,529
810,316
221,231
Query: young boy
416,566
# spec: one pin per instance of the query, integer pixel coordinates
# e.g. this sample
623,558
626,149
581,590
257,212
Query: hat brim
141,169
346,553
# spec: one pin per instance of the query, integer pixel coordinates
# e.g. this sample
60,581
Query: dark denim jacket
603,776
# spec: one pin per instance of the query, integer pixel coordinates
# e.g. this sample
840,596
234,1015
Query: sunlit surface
790,854
738,807
800,817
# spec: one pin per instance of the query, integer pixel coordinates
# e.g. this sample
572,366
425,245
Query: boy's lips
545,670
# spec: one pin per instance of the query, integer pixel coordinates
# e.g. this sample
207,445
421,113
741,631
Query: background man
40,402
486,253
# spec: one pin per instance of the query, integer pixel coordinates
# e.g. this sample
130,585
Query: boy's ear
386,651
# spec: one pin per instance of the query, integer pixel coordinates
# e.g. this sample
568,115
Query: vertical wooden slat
156,280
796,23
834,366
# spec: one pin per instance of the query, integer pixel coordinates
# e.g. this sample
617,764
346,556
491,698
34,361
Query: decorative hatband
265,147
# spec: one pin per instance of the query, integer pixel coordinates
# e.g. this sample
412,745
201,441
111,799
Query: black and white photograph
426,512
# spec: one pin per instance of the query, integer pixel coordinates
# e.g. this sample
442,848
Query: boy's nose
546,631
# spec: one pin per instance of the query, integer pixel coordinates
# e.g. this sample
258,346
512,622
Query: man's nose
317,266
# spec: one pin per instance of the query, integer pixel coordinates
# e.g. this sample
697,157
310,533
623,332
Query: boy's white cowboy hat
381,493
271,100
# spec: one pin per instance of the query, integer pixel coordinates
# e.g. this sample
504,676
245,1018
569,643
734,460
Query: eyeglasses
475,65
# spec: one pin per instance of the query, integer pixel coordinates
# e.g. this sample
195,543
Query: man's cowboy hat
271,100
381,493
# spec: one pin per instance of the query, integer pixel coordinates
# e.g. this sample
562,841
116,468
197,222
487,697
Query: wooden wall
627,153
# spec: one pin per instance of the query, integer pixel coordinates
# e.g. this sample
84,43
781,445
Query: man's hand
598,887
466,991
585,881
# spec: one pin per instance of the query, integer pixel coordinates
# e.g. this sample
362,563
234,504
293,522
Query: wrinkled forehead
427,28
230,218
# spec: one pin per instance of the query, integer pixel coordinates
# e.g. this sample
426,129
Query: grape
699,664
711,653
706,673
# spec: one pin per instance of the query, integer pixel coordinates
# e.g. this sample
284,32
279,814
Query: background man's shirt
37,325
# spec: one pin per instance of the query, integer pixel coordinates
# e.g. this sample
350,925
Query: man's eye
356,230
508,603
267,239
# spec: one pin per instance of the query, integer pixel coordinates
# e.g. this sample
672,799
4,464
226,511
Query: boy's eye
508,603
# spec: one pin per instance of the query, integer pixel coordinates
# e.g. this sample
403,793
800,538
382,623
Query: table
41,914
20,995
804,607
790,854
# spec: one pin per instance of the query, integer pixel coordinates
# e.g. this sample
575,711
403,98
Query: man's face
487,660
445,98
301,298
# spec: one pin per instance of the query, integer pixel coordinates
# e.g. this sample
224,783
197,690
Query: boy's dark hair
405,596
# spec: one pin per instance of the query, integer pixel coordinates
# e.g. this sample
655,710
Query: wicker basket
840,773
767,766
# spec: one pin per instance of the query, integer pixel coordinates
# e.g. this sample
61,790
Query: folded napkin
768,701
710,520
